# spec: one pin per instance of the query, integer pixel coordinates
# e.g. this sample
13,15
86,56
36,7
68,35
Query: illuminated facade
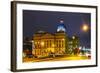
46,44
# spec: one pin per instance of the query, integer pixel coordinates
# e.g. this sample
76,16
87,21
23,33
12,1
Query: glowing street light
73,37
85,27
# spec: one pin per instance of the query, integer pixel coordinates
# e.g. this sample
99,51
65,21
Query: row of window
46,52
40,52
50,44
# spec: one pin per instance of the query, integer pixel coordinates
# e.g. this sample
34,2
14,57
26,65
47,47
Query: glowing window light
42,43
63,39
53,45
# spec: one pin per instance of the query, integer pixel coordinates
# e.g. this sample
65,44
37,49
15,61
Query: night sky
34,21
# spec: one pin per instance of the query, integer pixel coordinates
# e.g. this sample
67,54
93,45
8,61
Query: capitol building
46,44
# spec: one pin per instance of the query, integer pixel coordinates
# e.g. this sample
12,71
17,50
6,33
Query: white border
21,65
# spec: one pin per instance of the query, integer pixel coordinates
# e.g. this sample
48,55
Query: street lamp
73,37
85,27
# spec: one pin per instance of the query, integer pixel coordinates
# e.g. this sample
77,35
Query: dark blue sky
34,21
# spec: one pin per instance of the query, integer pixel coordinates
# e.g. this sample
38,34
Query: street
56,58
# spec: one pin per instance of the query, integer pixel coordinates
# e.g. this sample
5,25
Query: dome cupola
61,27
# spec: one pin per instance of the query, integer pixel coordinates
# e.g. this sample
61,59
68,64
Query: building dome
61,27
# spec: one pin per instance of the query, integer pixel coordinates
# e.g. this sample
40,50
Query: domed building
46,44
